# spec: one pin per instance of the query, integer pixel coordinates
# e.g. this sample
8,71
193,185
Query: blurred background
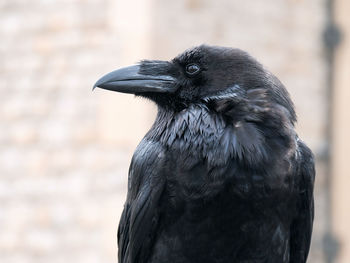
65,150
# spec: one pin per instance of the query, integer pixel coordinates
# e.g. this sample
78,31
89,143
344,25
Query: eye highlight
192,69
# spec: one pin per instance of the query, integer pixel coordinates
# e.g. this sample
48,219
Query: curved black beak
129,80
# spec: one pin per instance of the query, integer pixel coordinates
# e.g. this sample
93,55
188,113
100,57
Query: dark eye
192,69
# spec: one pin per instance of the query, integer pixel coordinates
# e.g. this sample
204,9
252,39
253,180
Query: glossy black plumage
222,175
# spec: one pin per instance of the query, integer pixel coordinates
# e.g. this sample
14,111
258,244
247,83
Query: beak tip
97,84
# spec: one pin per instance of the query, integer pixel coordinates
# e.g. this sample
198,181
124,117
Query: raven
221,176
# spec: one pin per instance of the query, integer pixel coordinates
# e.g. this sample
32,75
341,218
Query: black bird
222,175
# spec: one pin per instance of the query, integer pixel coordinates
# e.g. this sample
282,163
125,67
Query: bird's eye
192,69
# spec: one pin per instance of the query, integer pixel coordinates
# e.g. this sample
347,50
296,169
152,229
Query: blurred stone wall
65,151
63,164
340,133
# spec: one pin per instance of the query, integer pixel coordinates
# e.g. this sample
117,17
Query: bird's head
210,75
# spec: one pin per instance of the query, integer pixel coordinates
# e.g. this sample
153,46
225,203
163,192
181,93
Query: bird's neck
208,134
